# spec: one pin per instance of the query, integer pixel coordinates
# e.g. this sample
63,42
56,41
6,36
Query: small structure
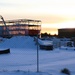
46,45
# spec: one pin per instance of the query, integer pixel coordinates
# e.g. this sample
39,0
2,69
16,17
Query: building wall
67,32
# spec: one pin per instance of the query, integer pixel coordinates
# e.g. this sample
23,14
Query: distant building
66,32
20,27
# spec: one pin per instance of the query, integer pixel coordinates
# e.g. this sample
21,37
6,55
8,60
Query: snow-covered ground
22,59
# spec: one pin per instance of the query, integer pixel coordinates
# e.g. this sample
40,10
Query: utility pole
37,55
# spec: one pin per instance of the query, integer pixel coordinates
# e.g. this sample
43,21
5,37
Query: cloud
49,11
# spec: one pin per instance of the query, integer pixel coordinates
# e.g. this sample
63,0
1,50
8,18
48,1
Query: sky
54,14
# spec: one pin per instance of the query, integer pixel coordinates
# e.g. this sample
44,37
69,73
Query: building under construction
19,27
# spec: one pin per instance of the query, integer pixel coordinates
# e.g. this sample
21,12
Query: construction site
19,27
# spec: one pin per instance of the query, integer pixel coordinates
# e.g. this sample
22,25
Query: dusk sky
54,14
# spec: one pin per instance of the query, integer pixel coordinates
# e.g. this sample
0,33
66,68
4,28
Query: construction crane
7,31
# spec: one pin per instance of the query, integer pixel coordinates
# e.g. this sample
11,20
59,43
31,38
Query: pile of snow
18,42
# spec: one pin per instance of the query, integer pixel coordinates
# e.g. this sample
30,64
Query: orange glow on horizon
52,28
52,31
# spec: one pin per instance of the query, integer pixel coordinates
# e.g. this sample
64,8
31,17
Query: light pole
37,55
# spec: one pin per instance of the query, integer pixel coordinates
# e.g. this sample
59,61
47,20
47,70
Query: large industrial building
20,27
66,32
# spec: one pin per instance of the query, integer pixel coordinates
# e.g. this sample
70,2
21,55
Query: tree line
48,35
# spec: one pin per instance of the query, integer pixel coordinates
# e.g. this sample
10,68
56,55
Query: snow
45,42
23,58
18,42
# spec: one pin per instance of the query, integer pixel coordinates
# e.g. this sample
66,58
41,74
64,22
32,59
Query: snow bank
18,42
18,72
